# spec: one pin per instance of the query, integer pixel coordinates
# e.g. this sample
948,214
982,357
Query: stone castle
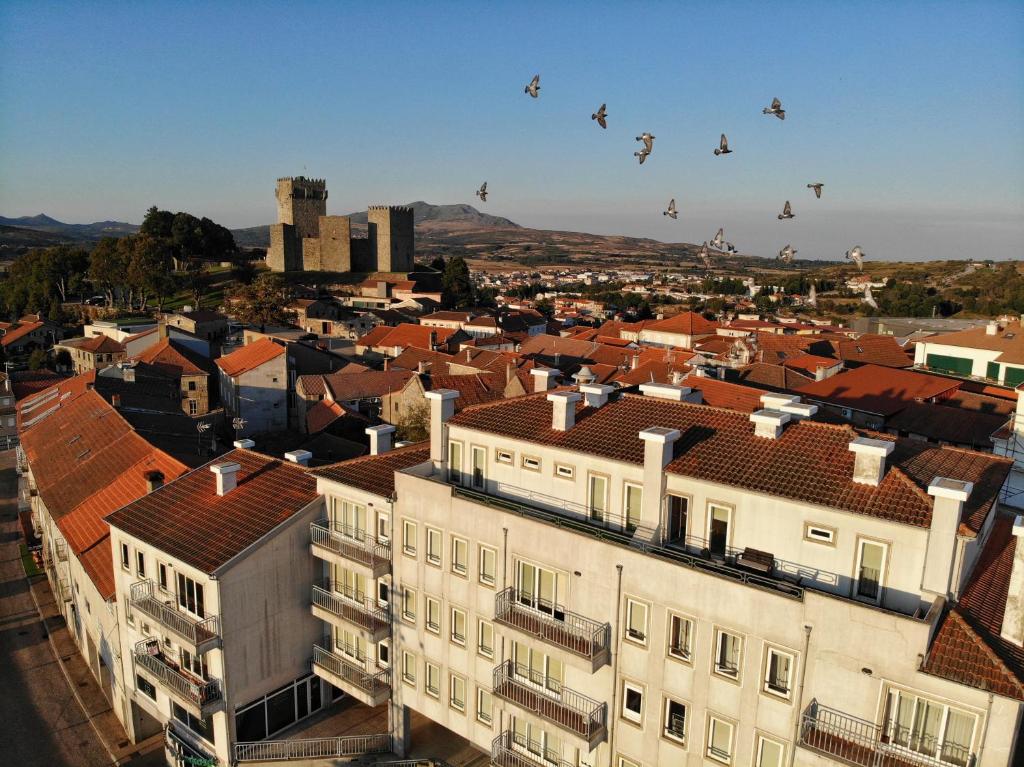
307,239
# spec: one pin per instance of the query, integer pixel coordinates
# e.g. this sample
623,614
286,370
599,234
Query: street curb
67,676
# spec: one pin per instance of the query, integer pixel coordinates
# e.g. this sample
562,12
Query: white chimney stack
992,328
227,476
244,444
300,457
869,464
788,403
596,395
658,446
948,499
442,407
563,409
380,438
665,391
543,379
769,423
1013,616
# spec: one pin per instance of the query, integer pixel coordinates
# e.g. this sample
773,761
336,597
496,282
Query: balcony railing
187,688
866,744
197,631
351,543
351,606
312,748
63,588
372,684
553,623
184,751
61,546
550,700
512,750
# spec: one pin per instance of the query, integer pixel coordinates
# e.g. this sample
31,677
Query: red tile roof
322,414
810,362
98,344
767,376
687,323
98,563
375,336
876,389
368,383
1009,340
410,358
474,389
25,383
406,335
651,372
13,334
250,357
173,359
954,425
732,396
186,519
810,462
869,348
376,473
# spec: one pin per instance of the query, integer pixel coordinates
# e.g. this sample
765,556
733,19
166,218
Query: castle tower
390,231
300,202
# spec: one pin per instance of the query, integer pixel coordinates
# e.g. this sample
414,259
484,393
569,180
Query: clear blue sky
910,113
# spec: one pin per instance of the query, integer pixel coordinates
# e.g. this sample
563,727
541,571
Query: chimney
992,328
677,377
469,355
154,480
1013,615
300,457
819,373
161,328
421,367
442,407
115,400
596,395
635,362
227,476
584,376
869,464
789,403
387,364
948,499
563,409
380,438
245,444
658,446
432,339
769,423
543,379
665,391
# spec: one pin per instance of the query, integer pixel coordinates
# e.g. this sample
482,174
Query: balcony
61,547
198,696
512,750
63,588
369,688
180,749
334,603
865,744
344,545
200,634
576,713
578,635
312,748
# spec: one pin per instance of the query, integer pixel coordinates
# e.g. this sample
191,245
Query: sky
910,113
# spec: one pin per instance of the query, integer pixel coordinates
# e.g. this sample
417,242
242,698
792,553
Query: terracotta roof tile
98,563
98,344
876,389
249,357
773,377
368,383
869,348
651,371
474,389
955,425
376,473
1009,340
322,415
174,359
809,363
732,396
687,323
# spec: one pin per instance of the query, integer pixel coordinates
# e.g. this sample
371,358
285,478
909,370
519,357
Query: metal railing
63,588
184,752
549,699
866,744
61,547
351,605
553,623
312,748
373,684
350,543
512,750
195,691
194,630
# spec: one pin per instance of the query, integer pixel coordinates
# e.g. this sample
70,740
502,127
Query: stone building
307,239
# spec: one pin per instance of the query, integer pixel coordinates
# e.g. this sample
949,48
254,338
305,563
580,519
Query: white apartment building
254,384
994,352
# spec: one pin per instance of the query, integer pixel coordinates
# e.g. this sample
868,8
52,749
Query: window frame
429,602
591,509
481,717
453,679
455,542
429,666
407,678
709,513
505,456
679,740
455,473
428,556
487,580
626,487
126,558
631,717
481,650
161,576
561,467
759,741
831,540
691,638
474,451
766,686
708,754
858,555
409,596
688,515
716,668
453,623
628,633
526,460
409,549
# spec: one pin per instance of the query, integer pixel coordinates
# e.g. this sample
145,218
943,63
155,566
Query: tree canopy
456,285
263,302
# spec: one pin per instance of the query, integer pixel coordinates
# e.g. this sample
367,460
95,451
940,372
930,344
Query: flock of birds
718,243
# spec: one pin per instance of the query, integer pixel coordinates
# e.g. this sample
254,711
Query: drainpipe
615,664
984,733
800,696
504,585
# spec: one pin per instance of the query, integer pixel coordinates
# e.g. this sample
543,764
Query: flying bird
817,189
723,146
648,140
856,255
642,154
787,212
719,241
705,257
730,248
775,109
671,212
534,87
601,116
868,298
787,253
812,297
482,192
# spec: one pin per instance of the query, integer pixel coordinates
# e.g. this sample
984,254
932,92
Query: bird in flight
817,189
775,109
642,155
723,146
705,257
719,241
601,116
787,212
787,254
648,140
534,87
856,255
482,192
671,212
868,298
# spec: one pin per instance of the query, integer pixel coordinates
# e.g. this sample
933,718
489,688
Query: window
531,463
718,529
434,545
484,706
193,407
727,654
432,672
504,456
870,571
678,511
625,761
636,621
778,673
161,569
457,692
458,626
769,753
383,527
409,537
485,638
719,742
192,663
455,462
564,471
597,496
633,502
632,702
200,727
349,519
128,611
819,534
479,467
536,668
929,727
191,385
409,668
144,686
460,556
433,615
383,655
125,559
674,727
680,637
540,588
190,596
409,604
488,561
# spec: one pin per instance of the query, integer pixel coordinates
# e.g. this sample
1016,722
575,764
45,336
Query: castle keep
307,239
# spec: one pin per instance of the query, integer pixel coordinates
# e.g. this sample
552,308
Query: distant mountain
462,215
71,232
15,239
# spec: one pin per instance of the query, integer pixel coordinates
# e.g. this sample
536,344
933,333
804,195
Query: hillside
72,232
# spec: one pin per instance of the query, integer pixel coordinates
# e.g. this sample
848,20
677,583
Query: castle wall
391,238
311,254
363,259
284,253
300,202
335,244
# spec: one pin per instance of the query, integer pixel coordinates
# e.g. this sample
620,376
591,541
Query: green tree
108,267
456,284
150,269
37,360
157,223
414,423
264,302
66,268
62,360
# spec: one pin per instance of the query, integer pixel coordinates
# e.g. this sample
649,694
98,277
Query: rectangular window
455,462
597,496
193,407
433,618
125,559
819,534
719,742
384,655
432,673
633,502
632,702
458,626
564,471
541,589
537,669
409,604
531,463
190,596
680,637
484,706
409,668
488,565
678,511
929,727
769,753
485,639
870,571
504,456
434,546
675,721
162,573
460,556
728,648
636,621
144,686
778,673
479,467
457,692
409,534
718,529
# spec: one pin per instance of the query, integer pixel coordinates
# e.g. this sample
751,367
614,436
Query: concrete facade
259,395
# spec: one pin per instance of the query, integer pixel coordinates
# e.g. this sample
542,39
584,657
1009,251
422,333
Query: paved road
40,722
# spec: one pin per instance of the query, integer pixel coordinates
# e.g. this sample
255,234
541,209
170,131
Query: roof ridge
981,633
366,458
